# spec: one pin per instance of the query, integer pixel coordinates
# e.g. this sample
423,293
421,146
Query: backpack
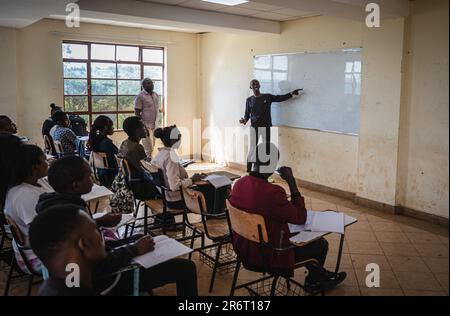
78,125
122,200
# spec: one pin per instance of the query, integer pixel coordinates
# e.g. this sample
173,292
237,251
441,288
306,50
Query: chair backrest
58,147
246,224
48,145
125,167
194,200
98,160
16,232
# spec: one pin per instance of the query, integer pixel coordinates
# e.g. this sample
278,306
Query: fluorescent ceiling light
227,2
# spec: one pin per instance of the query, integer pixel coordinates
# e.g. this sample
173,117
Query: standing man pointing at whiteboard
258,111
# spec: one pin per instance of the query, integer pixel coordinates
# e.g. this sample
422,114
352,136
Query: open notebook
165,249
327,221
218,181
126,219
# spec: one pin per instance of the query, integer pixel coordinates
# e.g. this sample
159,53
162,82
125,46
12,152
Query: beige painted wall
226,69
40,69
380,111
424,139
8,73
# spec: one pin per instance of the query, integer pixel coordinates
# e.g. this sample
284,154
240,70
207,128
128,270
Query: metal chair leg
274,285
30,284
235,277
8,280
216,263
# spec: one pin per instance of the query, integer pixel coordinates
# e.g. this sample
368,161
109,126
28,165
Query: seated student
73,238
62,133
11,160
49,123
70,177
175,176
134,152
99,142
255,194
22,198
7,126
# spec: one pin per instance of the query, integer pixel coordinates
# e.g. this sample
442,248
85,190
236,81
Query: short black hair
58,116
5,121
64,171
32,156
131,124
11,164
50,228
165,134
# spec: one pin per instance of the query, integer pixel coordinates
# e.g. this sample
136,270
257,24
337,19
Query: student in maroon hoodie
255,194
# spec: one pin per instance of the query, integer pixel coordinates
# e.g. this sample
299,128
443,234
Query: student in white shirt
22,198
167,159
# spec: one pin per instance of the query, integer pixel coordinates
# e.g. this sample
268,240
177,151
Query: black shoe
331,280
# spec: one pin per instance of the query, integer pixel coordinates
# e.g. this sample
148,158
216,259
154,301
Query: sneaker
332,280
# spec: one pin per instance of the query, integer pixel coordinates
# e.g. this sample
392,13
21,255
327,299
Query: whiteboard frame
353,49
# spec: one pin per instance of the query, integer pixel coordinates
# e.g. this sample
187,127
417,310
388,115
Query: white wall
424,139
226,70
40,74
8,73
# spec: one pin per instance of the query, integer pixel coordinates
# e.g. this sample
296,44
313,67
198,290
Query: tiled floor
412,255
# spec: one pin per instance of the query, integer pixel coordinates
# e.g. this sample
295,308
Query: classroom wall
424,139
226,69
40,69
8,73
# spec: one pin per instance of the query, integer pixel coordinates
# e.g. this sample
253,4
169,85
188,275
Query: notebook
126,219
327,221
165,249
218,181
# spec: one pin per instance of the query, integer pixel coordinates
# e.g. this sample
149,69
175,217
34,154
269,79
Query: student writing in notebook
70,177
74,240
175,175
255,194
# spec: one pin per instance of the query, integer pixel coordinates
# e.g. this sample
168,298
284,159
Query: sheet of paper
218,181
305,236
328,222
165,249
294,228
96,193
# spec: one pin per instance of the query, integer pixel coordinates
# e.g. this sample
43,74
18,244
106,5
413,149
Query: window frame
88,61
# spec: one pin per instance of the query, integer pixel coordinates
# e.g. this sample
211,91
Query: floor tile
344,290
443,280
385,226
432,250
417,281
391,237
424,238
361,261
408,264
437,265
387,279
424,293
398,249
365,247
381,292
360,236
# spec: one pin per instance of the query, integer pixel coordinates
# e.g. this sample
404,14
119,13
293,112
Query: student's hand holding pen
109,220
144,245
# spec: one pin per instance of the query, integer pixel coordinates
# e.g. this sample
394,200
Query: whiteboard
332,88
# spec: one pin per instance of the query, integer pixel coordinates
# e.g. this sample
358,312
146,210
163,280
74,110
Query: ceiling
263,11
262,16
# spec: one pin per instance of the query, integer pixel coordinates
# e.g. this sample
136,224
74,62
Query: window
271,71
104,79
352,77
